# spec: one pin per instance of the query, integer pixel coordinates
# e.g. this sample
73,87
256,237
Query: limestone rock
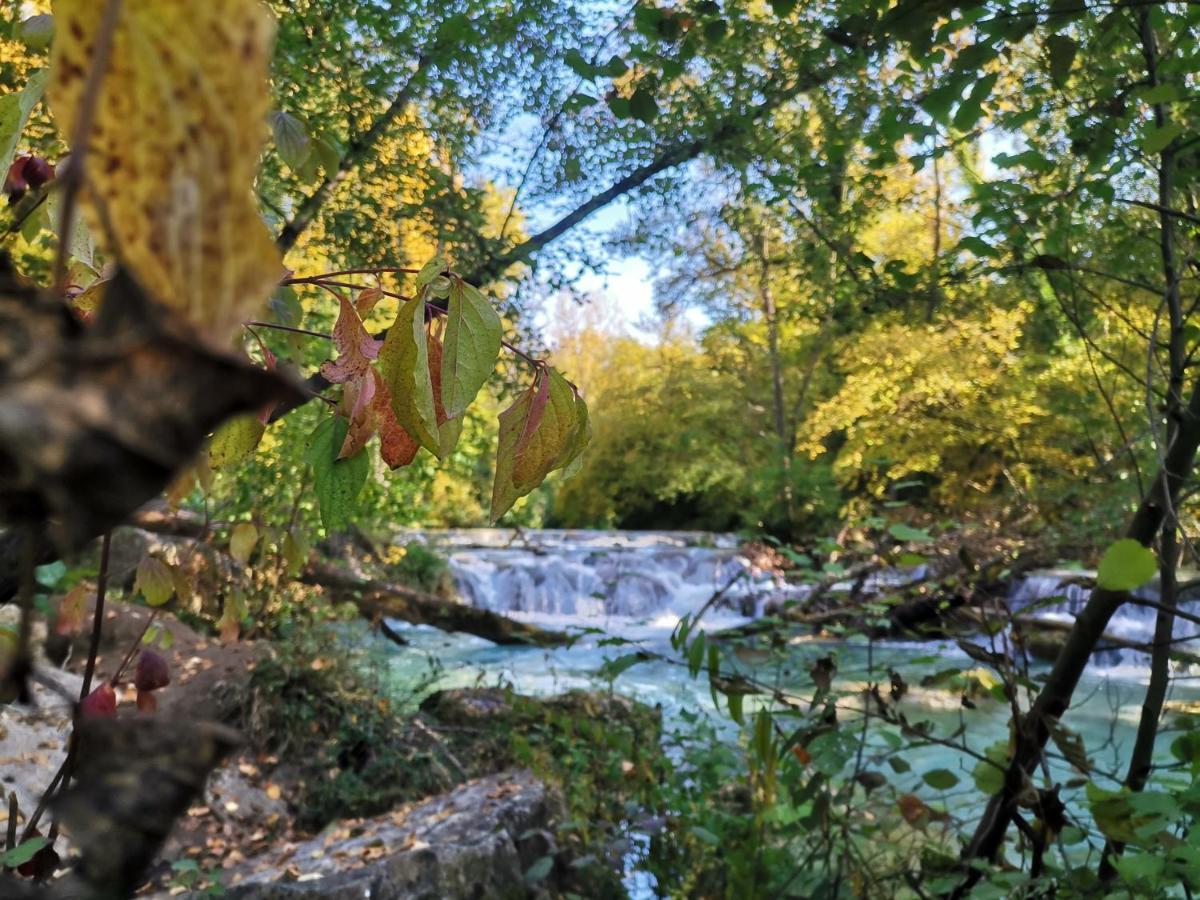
477,841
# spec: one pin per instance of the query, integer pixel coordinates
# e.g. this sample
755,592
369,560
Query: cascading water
614,580
1060,595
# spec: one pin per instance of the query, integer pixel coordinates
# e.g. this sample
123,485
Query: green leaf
1156,139
295,553
36,32
235,440
472,344
1062,51
989,773
14,113
579,65
1126,565
404,365
643,106
782,8
431,271
539,870
614,667
940,779
695,656
291,140
328,153
735,707
242,542
902,532
337,482
22,853
154,582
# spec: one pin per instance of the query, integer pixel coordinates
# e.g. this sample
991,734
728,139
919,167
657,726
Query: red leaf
356,348
100,703
26,172
396,446
152,672
537,408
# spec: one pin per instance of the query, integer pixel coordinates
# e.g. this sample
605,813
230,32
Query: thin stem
89,671
290,329
72,178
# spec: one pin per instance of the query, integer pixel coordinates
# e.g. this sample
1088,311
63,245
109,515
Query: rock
481,706
234,798
33,743
476,841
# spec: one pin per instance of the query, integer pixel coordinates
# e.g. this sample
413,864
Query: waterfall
1060,595
651,578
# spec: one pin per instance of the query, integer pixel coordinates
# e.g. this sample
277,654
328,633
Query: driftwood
379,599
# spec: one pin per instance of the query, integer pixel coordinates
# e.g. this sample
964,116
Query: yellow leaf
243,541
174,148
235,440
154,581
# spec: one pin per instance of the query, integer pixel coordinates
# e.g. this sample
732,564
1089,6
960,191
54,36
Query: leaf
356,348
612,668
1062,51
36,32
1126,565
337,482
1157,138
643,106
536,433
940,779
71,610
404,364
539,870
15,108
358,407
295,553
431,271
242,542
1070,745
907,533
397,447
235,440
190,82
153,581
913,810
291,139
471,346
988,773
22,853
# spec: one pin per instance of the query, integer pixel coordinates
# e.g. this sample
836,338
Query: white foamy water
629,582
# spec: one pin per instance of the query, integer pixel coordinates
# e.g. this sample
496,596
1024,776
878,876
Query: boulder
479,840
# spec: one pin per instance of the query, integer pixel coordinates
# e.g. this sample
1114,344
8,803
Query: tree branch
357,151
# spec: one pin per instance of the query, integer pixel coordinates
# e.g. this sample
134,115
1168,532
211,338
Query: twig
72,178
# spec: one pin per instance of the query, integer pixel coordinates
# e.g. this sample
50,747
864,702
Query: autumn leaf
397,447
358,408
538,433
242,542
356,348
71,610
235,440
154,581
188,81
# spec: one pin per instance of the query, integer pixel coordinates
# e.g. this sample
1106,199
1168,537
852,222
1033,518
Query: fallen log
380,599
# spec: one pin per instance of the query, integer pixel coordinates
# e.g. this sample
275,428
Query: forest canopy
847,278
